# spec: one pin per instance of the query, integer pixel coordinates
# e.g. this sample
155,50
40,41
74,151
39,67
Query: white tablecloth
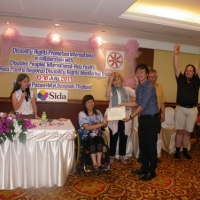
46,159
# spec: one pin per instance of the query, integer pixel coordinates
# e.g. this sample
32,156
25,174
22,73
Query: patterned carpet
175,180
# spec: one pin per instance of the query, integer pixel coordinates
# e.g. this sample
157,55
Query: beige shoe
124,162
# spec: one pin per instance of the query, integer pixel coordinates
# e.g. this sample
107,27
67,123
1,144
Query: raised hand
111,76
176,48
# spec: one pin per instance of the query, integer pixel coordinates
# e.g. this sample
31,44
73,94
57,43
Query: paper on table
116,113
35,122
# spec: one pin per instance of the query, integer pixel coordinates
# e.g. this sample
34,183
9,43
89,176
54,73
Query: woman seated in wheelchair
90,122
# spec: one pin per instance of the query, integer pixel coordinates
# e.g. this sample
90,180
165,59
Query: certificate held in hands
116,113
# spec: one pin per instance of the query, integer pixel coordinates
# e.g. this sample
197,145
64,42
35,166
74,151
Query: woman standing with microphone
23,100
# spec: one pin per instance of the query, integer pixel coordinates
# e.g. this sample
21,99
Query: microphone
22,89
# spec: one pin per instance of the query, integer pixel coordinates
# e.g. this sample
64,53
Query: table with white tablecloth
45,160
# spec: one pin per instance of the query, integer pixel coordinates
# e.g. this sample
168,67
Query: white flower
15,122
18,130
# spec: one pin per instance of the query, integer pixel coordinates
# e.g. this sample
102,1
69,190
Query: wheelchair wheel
83,159
77,147
106,151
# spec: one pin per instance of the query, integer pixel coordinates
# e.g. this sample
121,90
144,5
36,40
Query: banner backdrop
76,66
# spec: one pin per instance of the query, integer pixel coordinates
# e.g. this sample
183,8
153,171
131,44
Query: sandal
101,167
112,160
95,168
124,162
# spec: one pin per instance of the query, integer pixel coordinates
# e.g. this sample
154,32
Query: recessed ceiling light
57,25
7,22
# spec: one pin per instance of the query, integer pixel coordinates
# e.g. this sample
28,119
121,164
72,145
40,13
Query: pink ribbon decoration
10,34
95,42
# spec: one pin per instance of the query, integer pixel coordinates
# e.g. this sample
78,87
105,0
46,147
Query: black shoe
176,155
158,160
186,155
148,176
138,172
101,168
139,160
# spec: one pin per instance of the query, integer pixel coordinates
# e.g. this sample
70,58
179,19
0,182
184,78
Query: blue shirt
92,119
146,98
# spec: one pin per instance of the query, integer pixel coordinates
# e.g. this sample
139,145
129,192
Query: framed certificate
116,113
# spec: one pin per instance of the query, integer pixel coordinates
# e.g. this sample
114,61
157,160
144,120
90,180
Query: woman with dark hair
187,99
90,122
23,100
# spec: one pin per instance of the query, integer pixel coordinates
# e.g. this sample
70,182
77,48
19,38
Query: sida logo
42,95
52,95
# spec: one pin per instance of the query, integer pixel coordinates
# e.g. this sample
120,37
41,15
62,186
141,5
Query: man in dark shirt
147,107
187,99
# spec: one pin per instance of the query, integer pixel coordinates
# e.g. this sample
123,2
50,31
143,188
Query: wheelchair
83,159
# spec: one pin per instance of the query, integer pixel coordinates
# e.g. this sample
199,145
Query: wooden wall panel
146,57
56,110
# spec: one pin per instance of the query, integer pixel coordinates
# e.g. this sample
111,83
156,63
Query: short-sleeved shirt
26,106
146,98
92,119
187,93
160,94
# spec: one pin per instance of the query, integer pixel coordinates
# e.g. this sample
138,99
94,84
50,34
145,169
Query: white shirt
26,106
113,125
119,97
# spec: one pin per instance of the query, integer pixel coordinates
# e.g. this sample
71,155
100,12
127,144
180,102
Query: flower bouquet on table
13,125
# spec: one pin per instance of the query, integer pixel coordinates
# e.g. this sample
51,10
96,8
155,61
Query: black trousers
148,136
122,140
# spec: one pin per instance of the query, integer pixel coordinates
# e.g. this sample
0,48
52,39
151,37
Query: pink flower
28,124
12,125
3,115
11,116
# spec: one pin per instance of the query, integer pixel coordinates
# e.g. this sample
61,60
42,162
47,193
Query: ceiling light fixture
7,22
54,39
57,25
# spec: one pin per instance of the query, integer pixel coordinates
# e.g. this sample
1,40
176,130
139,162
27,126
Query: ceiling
108,17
